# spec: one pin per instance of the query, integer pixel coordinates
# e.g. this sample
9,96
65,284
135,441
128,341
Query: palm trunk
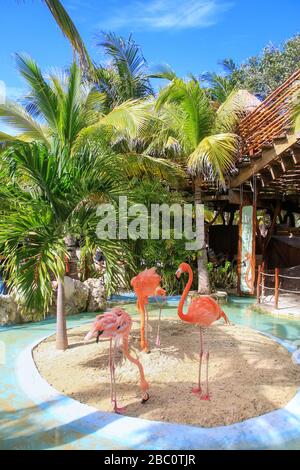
73,259
202,275
61,327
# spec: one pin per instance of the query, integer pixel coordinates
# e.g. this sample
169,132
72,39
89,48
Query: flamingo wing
204,311
146,282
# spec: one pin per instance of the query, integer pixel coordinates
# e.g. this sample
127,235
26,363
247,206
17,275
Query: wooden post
262,279
258,284
276,287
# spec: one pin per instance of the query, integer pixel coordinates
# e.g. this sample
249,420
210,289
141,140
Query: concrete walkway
289,306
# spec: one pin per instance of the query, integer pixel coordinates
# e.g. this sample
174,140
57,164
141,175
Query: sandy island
249,374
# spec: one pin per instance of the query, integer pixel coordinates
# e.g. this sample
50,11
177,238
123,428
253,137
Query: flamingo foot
205,397
119,409
145,398
196,390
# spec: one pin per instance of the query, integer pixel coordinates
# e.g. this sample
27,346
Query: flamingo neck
143,382
185,294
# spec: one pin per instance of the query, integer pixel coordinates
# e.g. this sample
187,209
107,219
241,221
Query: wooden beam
268,156
271,229
234,197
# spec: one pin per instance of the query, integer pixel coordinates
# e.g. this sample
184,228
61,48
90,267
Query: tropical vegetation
90,133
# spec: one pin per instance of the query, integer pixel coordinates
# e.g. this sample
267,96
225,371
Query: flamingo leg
158,328
117,409
206,396
198,390
142,309
111,372
144,326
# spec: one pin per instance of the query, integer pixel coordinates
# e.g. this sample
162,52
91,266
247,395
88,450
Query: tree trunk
203,278
61,327
72,264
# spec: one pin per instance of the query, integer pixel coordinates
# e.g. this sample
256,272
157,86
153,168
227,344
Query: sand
249,374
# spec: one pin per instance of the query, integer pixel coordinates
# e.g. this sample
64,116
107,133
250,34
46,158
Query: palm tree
48,196
45,199
220,87
125,77
63,112
203,137
56,108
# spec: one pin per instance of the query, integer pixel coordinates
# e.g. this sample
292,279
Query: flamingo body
146,284
116,325
203,311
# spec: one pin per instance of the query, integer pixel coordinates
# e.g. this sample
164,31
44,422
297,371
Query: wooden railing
275,288
271,118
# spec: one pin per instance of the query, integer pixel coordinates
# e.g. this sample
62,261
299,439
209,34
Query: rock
8,310
76,297
88,296
97,295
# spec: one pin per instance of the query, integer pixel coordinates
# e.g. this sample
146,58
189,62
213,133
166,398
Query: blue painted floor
32,417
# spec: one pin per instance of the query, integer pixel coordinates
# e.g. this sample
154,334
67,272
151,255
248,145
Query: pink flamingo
202,311
116,325
145,285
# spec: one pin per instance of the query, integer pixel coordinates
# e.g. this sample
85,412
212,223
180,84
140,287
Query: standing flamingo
145,285
116,325
202,311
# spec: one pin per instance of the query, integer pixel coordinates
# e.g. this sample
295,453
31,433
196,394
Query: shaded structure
266,177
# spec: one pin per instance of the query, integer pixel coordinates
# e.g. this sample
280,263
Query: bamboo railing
271,118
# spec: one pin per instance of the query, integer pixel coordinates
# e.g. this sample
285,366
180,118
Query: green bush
224,277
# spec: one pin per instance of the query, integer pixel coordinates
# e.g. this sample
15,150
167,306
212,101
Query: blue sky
189,35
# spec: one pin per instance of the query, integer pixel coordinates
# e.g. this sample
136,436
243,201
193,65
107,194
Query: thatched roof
248,101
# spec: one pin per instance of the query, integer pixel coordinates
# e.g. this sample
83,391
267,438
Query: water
238,310
23,424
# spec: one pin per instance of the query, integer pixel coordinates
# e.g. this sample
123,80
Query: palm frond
4,137
237,105
164,72
220,87
34,253
128,118
41,98
145,166
15,116
214,156
69,29
128,61
194,107
296,113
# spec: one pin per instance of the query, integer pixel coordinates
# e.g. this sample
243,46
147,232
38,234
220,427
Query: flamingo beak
178,273
98,335
91,334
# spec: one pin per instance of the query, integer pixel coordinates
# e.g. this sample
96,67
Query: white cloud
15,93
166,14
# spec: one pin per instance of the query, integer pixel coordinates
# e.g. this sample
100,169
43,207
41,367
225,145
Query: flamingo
116,325
145,285
203,311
